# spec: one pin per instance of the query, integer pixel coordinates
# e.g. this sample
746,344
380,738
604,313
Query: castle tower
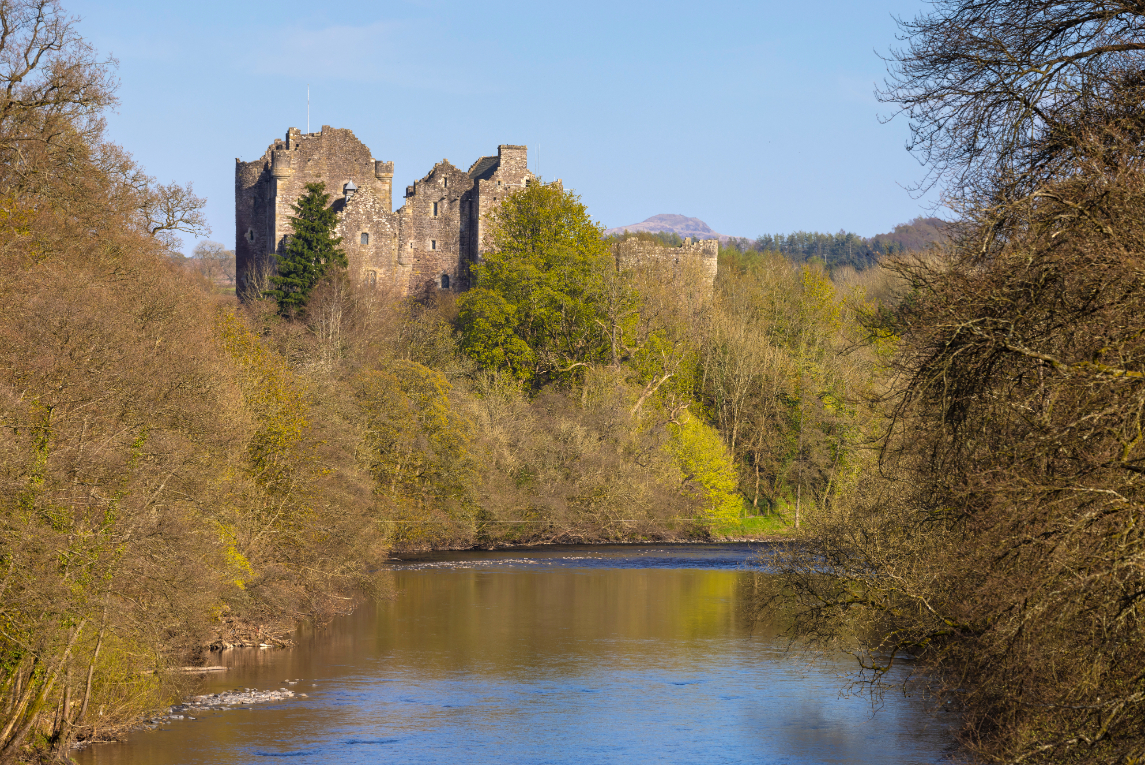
384,173
428,244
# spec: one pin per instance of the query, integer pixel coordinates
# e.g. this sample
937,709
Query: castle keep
427,244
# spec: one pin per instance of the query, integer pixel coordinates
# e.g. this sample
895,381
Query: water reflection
535,661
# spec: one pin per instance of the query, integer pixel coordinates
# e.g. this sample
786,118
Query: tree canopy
538,307
993,89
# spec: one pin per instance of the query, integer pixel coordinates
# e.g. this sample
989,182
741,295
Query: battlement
699,256
427,244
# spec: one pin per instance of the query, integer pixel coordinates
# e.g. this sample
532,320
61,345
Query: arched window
365,238
445,281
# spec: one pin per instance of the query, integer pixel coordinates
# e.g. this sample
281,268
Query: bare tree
53,88
215,262
992,88
169,208
999,543
48,73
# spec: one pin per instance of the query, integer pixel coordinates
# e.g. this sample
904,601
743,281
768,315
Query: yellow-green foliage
274,399
237,564
707,463
417,447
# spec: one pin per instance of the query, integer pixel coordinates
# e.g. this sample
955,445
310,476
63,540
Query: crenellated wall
634,253
428,244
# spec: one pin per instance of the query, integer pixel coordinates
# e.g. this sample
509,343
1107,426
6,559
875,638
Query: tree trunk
16,733
798,491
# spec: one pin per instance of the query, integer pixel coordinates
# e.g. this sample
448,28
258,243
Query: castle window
373,278
435,209
433,244
250,235
445,182
445,281
365,238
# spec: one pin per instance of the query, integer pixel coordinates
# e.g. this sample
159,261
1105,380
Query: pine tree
311,251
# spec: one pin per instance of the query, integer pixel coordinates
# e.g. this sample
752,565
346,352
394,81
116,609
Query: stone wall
494,177
370,239
428,244
432,221
267,188
634,253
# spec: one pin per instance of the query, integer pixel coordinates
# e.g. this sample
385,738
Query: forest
944,423
845,249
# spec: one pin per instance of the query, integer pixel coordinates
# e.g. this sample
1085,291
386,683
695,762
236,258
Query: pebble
234,698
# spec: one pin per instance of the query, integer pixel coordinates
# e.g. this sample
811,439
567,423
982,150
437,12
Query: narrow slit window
365,238
435,209
433,244
373,278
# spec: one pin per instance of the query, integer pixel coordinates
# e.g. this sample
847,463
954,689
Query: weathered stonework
427,244
703,254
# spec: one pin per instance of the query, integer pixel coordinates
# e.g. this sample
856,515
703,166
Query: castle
427,244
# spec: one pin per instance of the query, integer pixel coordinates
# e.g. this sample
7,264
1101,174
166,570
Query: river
626,654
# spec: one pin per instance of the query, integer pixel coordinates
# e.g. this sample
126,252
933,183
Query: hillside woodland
848,250
180,470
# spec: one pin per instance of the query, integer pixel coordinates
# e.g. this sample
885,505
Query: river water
560,655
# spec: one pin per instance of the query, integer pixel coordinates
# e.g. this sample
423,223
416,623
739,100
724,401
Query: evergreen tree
310,252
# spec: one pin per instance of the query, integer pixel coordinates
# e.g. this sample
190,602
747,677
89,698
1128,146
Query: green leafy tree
708,469
540,306
310,252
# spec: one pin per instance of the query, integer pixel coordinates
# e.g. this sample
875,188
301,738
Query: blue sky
756,117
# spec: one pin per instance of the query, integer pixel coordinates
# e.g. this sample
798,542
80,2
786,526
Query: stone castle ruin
425,245
641,253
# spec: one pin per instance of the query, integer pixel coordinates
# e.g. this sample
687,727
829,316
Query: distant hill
680,225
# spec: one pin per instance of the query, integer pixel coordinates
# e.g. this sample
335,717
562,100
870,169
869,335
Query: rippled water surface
561,655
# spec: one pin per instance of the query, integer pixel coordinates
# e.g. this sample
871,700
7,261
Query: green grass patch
749,525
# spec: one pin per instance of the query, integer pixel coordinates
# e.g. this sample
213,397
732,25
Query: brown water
567,655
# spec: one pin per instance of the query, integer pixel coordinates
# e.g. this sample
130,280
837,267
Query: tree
215,262
168,208
53,87
1000,543
995,89
311,251
539,305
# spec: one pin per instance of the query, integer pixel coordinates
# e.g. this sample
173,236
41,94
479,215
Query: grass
772,525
